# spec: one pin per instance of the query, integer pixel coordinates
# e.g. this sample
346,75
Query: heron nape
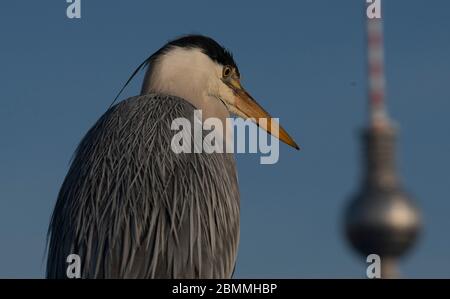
132,208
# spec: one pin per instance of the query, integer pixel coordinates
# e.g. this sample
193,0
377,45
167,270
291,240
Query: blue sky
303,60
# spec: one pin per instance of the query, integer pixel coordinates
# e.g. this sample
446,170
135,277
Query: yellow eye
227,70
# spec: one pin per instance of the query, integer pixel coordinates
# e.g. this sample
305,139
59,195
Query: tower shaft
375,69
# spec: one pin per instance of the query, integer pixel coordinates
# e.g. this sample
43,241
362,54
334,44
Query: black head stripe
209,46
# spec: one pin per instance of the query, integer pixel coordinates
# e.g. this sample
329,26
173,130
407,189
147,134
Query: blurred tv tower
381,218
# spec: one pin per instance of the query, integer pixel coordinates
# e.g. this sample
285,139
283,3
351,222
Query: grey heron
132,208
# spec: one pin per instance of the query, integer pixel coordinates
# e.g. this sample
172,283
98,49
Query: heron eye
226,71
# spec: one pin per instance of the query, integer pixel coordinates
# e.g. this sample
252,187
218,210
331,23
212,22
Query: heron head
200,70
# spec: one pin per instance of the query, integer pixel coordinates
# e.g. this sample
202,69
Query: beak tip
293,144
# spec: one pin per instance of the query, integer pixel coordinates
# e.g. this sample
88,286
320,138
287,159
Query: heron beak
248,108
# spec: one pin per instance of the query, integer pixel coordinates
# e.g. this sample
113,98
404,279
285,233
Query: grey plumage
130,207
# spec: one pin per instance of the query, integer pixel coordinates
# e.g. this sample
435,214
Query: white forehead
178,58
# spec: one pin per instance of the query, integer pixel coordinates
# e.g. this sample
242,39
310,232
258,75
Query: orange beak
246,107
